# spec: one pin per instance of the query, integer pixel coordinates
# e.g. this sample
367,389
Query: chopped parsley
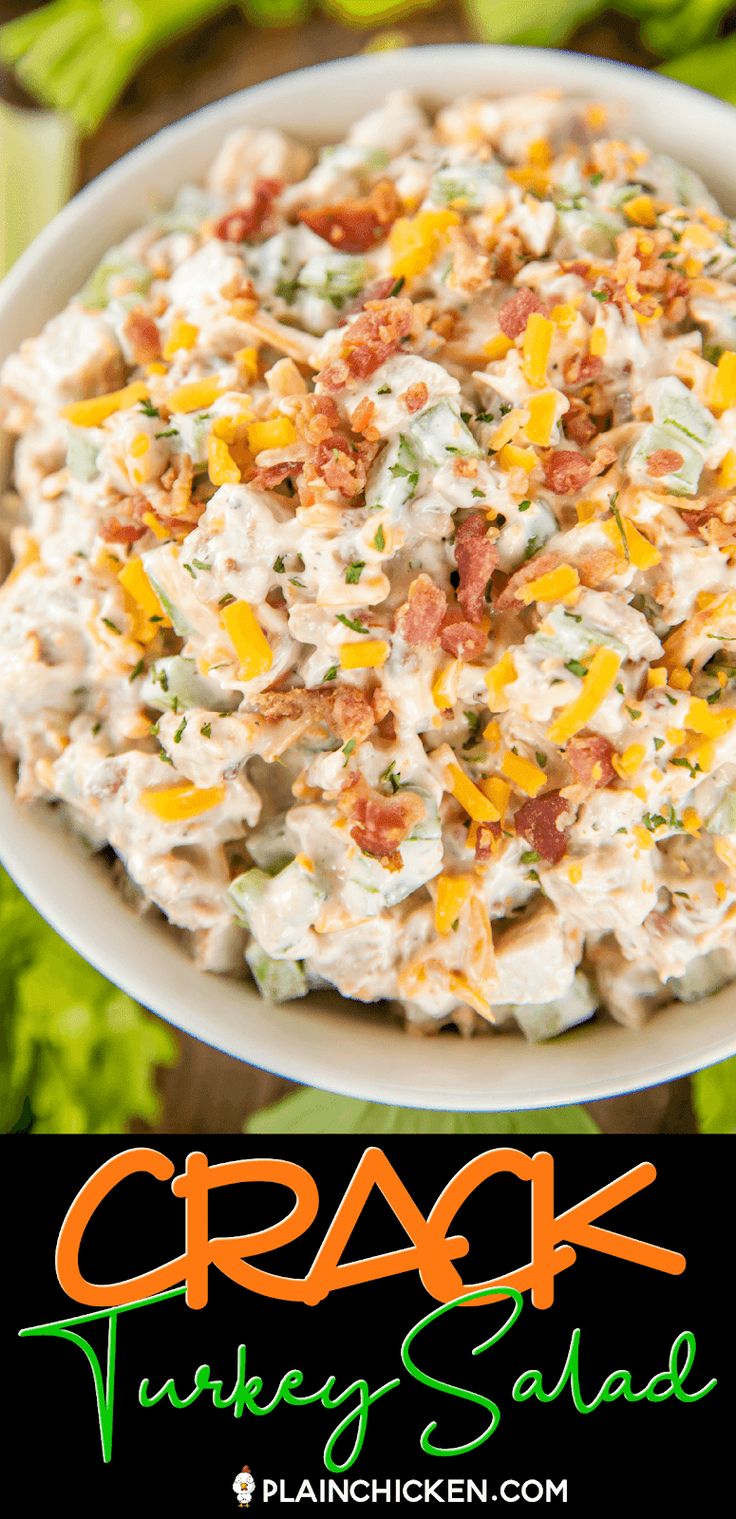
348,749
278,565
379,539
206,730
576,668
178,736
169,432
138,670
201,564
148,409
164,757
330,674
524,505
112,625
352,623
530,857
391,776
354,571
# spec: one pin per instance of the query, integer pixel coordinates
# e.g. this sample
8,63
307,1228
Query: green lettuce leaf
76,1055
536,23
313,1112
714,1098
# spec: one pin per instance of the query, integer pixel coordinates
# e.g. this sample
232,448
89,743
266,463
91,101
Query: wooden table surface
209,1092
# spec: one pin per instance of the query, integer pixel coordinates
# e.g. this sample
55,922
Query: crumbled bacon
589,756
268,476
415,397
378,290
340,468
115,531
539,565
142,334
476,557
238,225
336,458
381,823
354,226
565,471
516,311
420,618
577,424
363,418
486,838
582,368
664,461
462,639
368,341
343,710
537,820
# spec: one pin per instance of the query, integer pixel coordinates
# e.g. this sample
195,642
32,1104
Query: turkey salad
374,546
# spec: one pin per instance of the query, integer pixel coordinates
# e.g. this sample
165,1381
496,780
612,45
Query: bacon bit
341,471
378,290
381,823
486,836
268,476
516,311
354,226
415,397
699,518
539,565
664,461
238,225
565,471
369,340
537,822
582,368
143,336
462,639
577,423
420,618
343,710
476,557
603,457
115,531
590,758
363,417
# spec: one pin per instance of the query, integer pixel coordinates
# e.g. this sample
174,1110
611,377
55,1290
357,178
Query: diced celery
675,183
723,820
277,980
278,909
81,456
674,406
246,891
469,182
704,975
682,481
175,684
334,276
523,533
441,433
545,1020
179,622
274,265
591,230
393,480
369,887
116,266
269,844
565,633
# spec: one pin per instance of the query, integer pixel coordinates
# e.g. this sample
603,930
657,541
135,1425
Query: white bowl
325,1041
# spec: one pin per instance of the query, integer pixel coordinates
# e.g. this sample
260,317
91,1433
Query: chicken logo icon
244,1487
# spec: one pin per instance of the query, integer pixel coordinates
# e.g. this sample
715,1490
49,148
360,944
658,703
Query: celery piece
682,481
470,183
723,820
393,480
246,891
591,230
277,980
545,1020
176,685
674,406
38,159
334,276
179,622
117,264
81,456
440,434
